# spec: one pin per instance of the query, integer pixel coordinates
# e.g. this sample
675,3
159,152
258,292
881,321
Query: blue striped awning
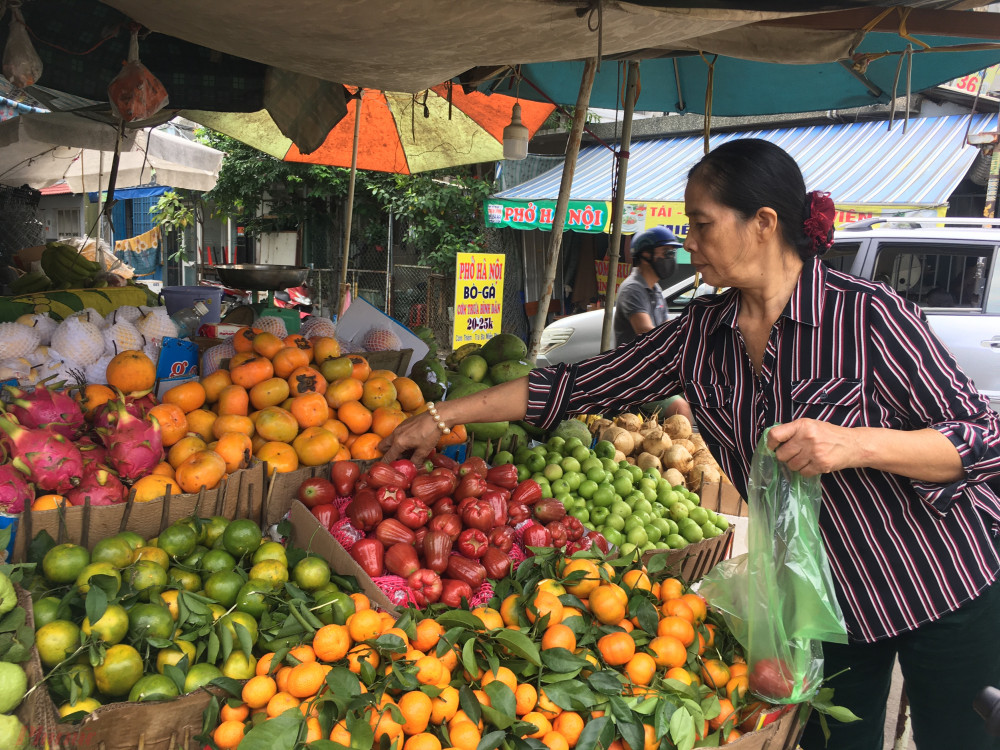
863,162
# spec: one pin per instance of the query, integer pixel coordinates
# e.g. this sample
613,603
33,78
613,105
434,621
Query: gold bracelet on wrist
445,430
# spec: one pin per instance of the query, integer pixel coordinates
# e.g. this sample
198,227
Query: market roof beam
960,23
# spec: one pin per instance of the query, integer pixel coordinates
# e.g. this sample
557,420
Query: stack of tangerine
289,402
427,715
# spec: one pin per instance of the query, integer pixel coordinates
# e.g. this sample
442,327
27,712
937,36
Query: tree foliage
441,212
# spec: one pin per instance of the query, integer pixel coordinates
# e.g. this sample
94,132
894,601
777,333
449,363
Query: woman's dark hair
748,174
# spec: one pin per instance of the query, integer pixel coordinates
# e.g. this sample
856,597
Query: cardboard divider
311,535
695,560
781,730
159,725
241,495
722,497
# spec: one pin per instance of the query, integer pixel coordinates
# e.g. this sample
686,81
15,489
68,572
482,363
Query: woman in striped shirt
862,393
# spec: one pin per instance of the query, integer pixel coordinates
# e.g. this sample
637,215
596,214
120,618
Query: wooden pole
631,83
559,221
342,295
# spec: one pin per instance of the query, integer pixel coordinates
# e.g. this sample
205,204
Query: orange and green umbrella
401,133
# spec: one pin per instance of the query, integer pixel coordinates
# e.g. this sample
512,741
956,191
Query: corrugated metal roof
861,162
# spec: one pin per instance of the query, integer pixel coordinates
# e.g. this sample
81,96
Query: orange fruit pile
410,693
290,402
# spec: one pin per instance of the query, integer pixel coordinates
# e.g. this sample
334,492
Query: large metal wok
257,276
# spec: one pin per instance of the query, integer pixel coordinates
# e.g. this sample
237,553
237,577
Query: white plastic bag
21,64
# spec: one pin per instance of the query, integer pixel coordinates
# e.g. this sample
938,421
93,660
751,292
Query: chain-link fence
19,224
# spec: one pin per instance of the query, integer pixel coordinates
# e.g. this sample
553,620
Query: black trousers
944,664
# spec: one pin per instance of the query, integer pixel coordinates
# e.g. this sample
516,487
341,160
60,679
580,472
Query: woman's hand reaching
419,434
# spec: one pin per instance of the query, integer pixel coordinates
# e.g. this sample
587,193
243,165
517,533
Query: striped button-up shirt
852,353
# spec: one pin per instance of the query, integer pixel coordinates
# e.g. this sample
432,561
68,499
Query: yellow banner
673,217
478,297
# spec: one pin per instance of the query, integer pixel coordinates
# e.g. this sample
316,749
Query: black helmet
654,238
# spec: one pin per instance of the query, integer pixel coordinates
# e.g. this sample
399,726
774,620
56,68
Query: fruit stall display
297,401
632,507
444,530
16,639
470,369
669,445
570,653
142,621
95,444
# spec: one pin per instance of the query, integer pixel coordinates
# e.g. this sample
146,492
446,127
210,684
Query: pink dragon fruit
106,415
100,487
140,406
93,453
15,492
47,409
134,445
50,461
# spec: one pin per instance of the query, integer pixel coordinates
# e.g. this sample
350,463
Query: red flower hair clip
818,224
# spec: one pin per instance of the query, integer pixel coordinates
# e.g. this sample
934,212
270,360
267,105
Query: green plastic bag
778,598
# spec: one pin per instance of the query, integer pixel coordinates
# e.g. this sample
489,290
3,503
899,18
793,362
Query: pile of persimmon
294,402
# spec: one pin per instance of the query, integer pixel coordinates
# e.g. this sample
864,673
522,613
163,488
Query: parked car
577,337
946,266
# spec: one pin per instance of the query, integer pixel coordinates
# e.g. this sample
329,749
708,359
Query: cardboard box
25,257
218,330
310,534
780,729
239,496
694,561
722,497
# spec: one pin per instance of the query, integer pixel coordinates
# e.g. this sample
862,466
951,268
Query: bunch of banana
66,267
455,358
30,283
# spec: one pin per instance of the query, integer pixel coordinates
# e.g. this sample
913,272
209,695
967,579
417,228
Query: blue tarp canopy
862,162
147,191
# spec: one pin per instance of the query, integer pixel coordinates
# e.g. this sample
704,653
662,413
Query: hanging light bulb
515,137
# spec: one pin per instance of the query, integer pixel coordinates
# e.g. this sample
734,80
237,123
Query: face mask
664,267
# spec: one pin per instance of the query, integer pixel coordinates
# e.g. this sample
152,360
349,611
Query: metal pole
388,270
989,211
559,220
342,294
631,82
